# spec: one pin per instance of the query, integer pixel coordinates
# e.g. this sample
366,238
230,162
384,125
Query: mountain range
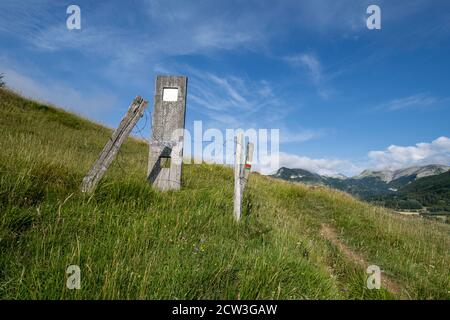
409,188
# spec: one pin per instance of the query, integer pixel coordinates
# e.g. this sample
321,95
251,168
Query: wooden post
166,142
98,170
248,164
237,176
241,173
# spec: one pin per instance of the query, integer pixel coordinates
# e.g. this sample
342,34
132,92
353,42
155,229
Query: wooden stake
237,176
241,172
98,170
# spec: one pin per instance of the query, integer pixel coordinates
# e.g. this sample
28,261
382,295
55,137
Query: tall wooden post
109,152
166,142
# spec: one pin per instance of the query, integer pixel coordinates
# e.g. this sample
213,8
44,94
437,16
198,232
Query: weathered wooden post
237,176
166,142
109,152
241,172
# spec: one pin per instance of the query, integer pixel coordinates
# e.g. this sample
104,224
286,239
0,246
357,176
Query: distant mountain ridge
367,184
419,172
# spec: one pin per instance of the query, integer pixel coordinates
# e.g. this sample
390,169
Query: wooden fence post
237,176
98,170
241,173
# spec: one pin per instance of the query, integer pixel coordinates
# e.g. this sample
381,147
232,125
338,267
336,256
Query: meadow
134,242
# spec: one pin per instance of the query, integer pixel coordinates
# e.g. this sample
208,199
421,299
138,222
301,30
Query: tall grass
133,242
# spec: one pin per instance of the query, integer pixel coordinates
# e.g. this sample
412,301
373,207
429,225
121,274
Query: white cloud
393,158
397,157
322,166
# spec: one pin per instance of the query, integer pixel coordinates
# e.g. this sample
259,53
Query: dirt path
390,285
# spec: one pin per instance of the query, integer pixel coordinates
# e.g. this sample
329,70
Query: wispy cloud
420,100
95,104
298,135
205,25
312,64
159,28
231,100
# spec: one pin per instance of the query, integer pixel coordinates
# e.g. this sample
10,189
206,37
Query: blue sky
344,97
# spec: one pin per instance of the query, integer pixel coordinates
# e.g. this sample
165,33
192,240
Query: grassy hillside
133,242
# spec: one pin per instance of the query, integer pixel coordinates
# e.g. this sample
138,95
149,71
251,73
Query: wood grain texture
109,152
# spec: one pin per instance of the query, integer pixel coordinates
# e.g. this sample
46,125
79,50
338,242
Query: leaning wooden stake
98,170
241,173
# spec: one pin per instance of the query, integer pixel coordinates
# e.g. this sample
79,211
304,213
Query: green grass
132,242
